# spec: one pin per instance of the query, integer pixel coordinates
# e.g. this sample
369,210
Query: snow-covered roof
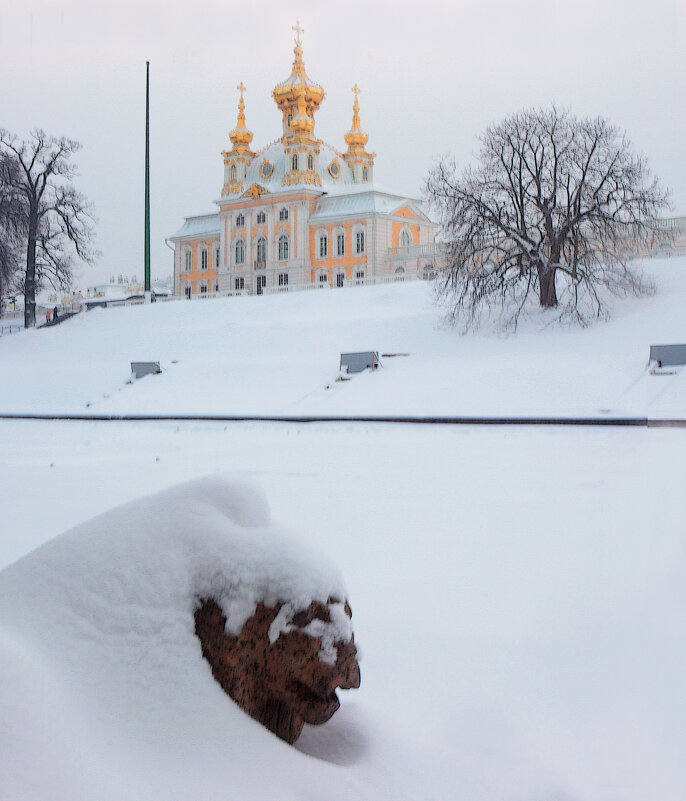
274,155
362,201
202,225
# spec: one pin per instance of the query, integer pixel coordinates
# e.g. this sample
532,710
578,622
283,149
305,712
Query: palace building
298,212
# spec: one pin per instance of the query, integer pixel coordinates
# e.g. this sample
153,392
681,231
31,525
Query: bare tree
56,221
555,208
11,228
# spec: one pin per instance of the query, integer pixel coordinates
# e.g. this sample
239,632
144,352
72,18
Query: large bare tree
56,221
554,209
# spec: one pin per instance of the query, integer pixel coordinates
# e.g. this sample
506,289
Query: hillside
280,354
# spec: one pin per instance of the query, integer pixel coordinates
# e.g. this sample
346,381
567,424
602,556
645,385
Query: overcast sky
433,74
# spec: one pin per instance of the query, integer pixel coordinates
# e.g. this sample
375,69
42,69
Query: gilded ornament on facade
334,169
255,191
266,168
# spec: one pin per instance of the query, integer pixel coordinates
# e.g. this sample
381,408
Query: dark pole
147,176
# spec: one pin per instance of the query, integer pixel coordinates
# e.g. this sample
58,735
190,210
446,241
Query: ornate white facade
298,211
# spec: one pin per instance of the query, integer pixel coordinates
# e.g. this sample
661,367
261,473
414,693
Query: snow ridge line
636,422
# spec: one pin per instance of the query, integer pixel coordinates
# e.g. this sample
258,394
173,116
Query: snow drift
98,643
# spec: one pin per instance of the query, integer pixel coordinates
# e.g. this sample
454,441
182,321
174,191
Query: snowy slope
215,355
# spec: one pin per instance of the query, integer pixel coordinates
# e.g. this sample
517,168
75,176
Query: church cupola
298,98
237,159
361,163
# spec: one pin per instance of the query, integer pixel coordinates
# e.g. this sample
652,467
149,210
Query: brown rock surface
282,685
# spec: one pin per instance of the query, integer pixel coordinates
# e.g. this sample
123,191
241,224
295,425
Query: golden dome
240,136
298,97
356,139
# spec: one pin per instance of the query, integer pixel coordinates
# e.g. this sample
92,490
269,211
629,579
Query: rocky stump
286,682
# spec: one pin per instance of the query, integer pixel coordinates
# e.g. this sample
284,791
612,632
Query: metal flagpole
147,180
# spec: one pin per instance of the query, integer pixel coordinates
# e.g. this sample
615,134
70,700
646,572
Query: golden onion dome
298,94
240,136
356,139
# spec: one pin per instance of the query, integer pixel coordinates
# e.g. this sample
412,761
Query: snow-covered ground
278,355
517,594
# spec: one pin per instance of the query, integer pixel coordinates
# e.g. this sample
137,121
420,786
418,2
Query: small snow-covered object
140,369
357,362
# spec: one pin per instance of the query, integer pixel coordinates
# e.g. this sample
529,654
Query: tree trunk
30,278
547,293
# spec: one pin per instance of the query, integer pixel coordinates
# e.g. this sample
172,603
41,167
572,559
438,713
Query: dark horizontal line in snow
636,422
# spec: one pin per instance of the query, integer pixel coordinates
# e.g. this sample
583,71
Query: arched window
283,214
340,242
405,239
187,291
359,242
233,172
365,174
323,246
283,248
203,259
240,221
203,287
310,163
294,162
262,250
188,261
216,257
240,252
261,217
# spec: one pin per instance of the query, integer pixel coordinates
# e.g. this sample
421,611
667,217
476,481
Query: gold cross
357,91
241,89
298,30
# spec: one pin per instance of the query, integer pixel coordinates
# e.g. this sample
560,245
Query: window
240,221
310,163
323,246
283,214
240,252
262,250
405,239
187,291
216,286
323,279
359,276
290,119
203,259
283,279
239,283
340,244
216,257
365,174
340,279
294,162
188,261
261,217
283,248
203,289
233,172
360,241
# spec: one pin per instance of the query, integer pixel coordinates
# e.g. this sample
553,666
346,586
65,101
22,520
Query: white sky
433,75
